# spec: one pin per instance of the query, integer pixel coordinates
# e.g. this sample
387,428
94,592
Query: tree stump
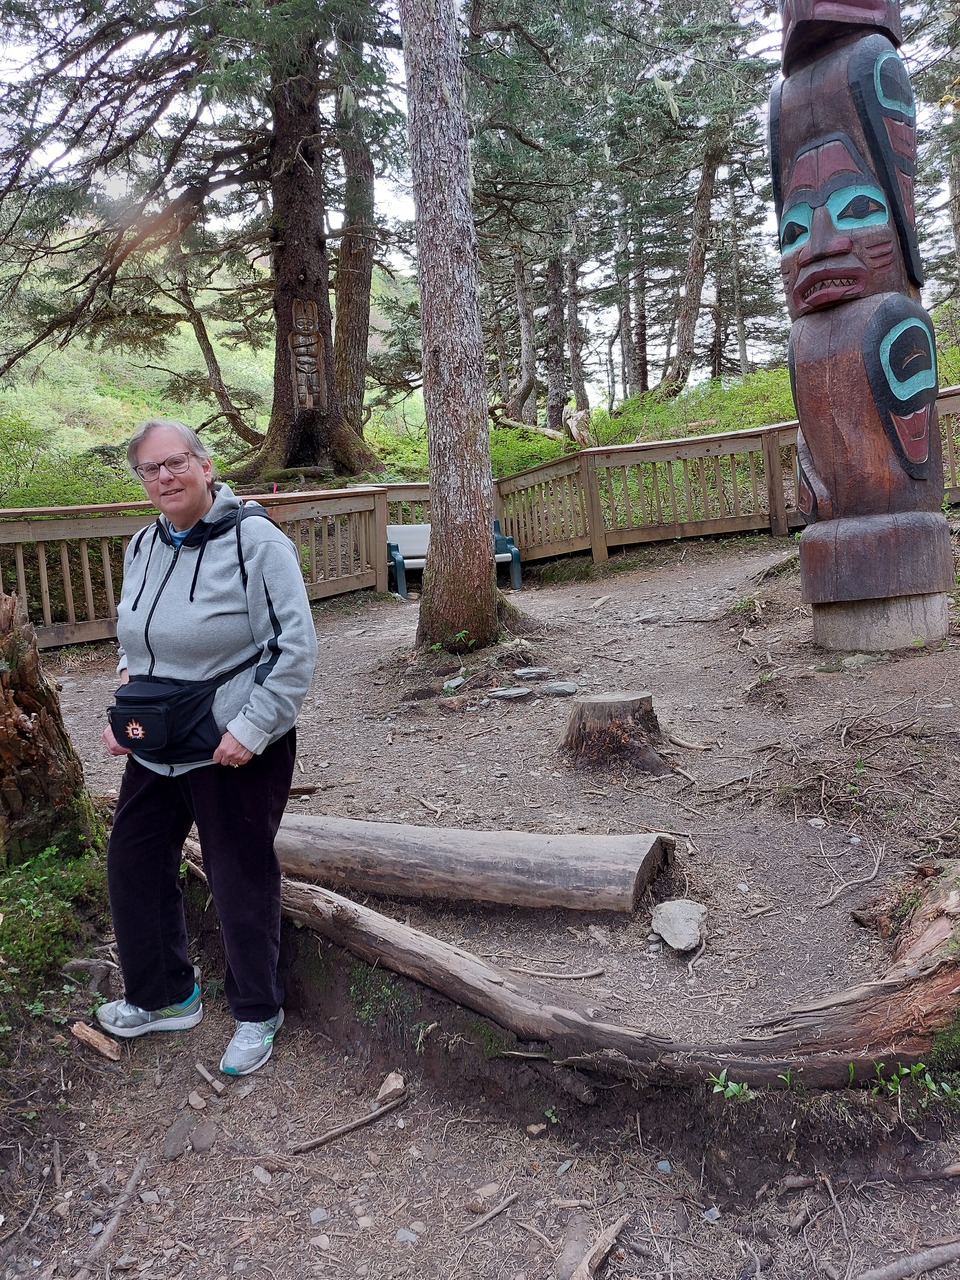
614,728
43,800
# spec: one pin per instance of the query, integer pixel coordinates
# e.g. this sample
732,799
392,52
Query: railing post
772,469
380,540
591,492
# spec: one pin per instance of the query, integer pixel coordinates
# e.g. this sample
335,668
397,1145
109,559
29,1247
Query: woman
206,595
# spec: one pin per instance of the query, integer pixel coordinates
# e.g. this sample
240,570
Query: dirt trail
809,769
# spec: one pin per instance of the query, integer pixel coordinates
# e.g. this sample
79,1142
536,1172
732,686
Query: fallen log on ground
870,1024
520,868
919,994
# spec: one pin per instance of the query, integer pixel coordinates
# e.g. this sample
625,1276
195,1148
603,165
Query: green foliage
49,904
730,1088
399,437
38,473
916,1079
513,449
723,404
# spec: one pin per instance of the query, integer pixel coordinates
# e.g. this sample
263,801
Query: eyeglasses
176,464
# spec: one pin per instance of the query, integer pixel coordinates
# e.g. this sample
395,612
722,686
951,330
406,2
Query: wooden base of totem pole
614,728
879,626
877,583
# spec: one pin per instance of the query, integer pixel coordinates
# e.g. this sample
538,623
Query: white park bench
407,549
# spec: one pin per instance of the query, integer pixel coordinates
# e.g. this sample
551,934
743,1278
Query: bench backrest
412,539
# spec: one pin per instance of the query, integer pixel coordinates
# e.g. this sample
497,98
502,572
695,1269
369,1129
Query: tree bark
640,311
556,382
523,405
355,256
458,608
43,800
307,426
675,377
575,334
628,355
735,274
602,873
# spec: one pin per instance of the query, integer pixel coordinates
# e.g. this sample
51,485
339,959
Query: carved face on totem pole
808,23
837,238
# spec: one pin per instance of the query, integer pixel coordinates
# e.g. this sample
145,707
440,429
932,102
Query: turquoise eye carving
795,226
858,206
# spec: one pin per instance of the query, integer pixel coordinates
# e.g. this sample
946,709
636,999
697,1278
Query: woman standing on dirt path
217,650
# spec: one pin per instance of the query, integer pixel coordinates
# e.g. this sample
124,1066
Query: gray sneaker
126,1020
251,1046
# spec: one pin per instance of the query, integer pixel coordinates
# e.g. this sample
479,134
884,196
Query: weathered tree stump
614,728
43,800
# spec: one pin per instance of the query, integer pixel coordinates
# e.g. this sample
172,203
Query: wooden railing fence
66,563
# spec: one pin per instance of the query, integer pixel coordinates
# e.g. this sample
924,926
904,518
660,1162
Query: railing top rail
142,505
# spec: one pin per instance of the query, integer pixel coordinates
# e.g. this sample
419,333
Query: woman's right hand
112,745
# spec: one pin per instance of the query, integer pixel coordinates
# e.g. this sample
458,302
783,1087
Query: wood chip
96,1040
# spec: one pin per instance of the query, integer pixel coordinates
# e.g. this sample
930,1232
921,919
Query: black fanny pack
169,721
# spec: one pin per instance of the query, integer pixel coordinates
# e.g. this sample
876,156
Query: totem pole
875,556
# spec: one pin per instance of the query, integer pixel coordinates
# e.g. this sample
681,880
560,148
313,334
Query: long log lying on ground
521,868
865,1025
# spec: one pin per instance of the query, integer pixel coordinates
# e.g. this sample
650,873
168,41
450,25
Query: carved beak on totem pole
837,239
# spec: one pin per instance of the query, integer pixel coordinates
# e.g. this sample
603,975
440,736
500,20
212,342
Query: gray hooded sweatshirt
185,613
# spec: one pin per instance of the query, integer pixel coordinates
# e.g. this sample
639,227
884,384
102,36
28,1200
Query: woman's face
183,498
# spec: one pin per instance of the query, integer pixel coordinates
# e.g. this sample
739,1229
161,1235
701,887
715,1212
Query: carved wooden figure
875,558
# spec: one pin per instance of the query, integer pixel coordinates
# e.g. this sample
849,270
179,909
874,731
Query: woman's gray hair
191,441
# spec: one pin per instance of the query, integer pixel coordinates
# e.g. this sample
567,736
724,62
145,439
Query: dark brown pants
237,812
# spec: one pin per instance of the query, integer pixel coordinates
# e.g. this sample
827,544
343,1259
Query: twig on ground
700,950
341,1129
605,1242
534,1231
110,1230
504,1204
541,973
854,884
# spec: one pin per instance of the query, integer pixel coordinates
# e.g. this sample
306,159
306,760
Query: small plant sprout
731,1088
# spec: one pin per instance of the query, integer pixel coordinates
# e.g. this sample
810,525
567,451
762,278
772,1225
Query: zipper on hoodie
153,607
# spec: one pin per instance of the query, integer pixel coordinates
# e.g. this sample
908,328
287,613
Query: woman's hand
112,745
231,752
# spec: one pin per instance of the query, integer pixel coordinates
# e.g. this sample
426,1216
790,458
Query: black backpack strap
244,510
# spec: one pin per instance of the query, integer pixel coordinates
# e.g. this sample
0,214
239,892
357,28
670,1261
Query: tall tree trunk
628,357
43,801
355,257
675,377
523,406
953,204
737,289
575,334
556,382
307,426
459,603
641,355
500,348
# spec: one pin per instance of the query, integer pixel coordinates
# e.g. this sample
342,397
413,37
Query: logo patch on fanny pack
134,729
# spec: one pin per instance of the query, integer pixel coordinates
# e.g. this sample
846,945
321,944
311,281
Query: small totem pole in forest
875,557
